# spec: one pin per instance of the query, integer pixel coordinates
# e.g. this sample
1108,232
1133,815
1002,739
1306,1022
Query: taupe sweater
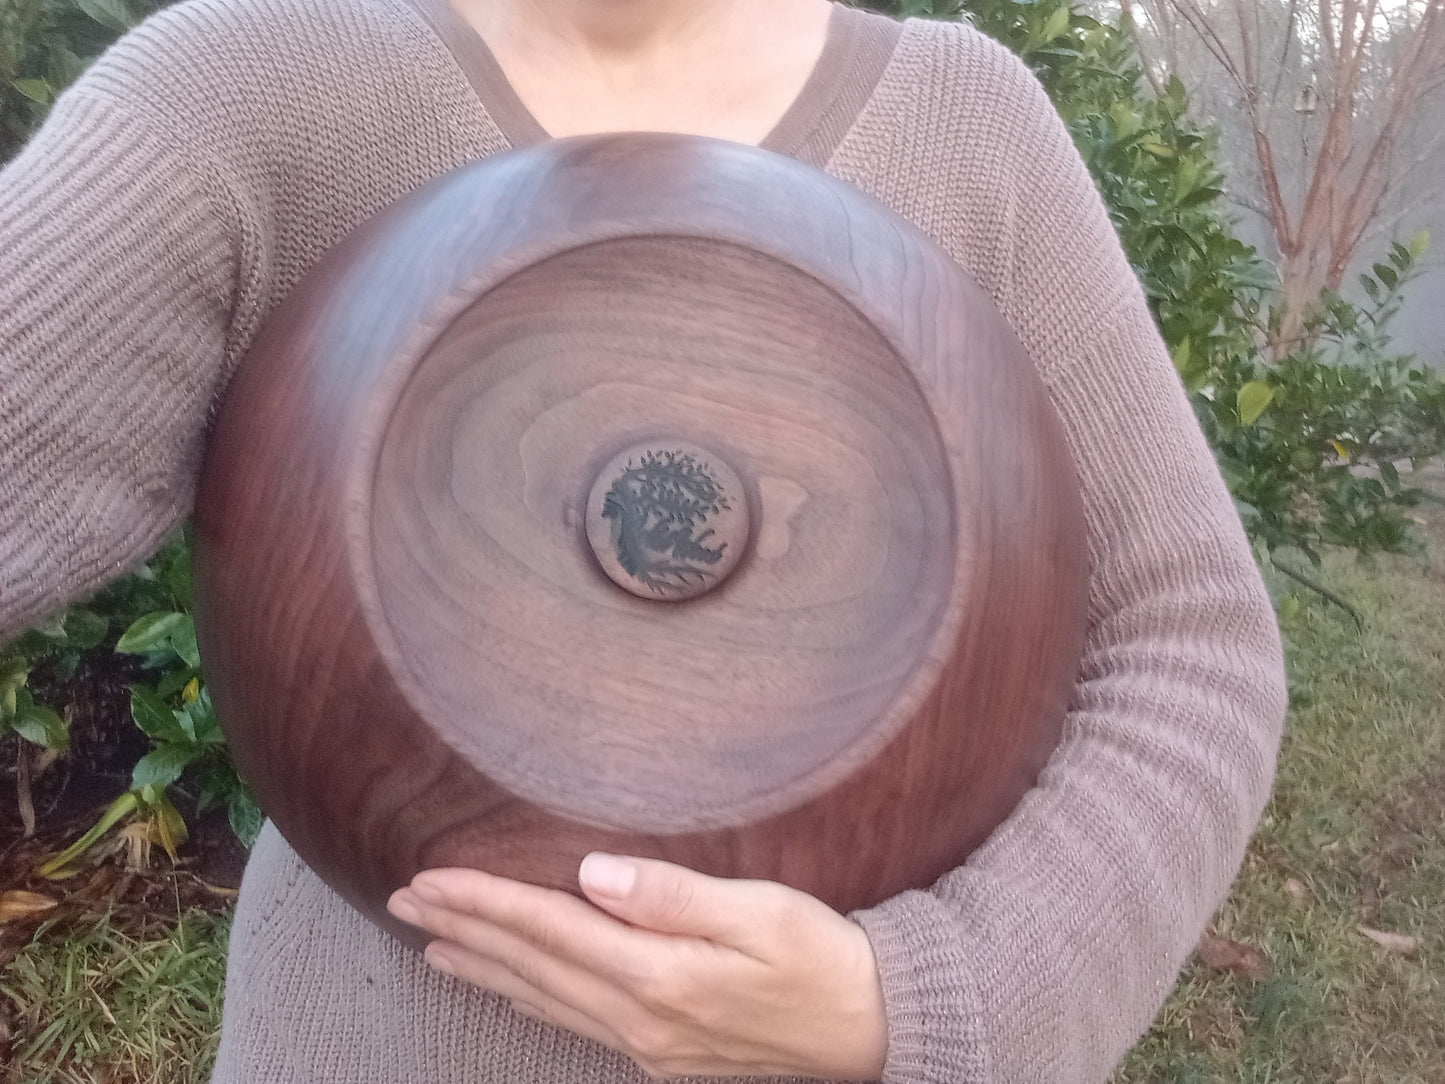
201,166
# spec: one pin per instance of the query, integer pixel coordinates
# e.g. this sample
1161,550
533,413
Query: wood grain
416,652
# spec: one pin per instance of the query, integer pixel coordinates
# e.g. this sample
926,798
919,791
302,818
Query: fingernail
403,908
607,874
426,891
440,960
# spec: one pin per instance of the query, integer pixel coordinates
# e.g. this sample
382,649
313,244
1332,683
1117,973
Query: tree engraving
656,508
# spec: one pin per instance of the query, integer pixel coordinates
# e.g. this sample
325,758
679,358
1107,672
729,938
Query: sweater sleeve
1047,955
116,285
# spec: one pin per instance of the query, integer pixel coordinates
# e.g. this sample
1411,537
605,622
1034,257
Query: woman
178,192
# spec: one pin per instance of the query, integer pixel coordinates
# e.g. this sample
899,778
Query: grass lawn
1353,841
96,1005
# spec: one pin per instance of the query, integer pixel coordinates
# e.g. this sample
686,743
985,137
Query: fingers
531,965
652,897
542,916
513,921
672,899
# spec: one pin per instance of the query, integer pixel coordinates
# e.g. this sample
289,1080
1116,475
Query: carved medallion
667,521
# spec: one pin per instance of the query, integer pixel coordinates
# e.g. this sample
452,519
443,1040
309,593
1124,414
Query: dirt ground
138,885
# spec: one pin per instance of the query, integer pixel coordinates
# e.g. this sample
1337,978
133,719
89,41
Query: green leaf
174,682
85,629
245,815
37,90
151,633
214,782
1386,274
1419,245
1252,400
1258,275
14,673
1193,369
183,642
201,713
1175,93
155,716
179,578
52,628
170,826
1203,194
118,810
1056,25
186,721
42,726
162,766
108,13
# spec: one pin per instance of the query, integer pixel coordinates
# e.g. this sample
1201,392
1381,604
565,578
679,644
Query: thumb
672,899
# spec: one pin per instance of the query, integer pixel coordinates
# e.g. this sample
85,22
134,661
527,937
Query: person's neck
726,68
617,31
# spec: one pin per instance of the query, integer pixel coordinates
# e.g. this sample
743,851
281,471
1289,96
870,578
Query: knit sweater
199,168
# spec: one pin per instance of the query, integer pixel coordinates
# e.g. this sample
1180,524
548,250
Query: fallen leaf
1400,944
1296,890
99,885
19,904
1223,954
24,802
138,838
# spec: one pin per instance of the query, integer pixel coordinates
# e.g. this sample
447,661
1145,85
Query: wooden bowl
641,493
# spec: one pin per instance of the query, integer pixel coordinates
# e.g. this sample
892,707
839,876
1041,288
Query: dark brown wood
418,644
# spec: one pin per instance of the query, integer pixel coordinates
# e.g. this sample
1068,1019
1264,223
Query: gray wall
1420,327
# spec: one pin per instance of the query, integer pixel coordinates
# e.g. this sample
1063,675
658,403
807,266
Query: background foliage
44,45
1309,445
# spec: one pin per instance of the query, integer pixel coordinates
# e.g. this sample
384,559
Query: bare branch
1329,144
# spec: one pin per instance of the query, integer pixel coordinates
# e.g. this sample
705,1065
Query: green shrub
44,45
1308,444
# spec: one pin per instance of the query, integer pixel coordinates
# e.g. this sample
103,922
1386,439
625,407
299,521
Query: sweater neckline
856,51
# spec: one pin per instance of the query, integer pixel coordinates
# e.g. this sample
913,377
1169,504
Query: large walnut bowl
640,493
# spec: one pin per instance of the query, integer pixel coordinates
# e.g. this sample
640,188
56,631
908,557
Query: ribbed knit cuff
934,1024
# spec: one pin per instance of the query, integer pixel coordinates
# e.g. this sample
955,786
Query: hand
684,973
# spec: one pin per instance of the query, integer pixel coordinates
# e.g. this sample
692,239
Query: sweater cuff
935,1033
